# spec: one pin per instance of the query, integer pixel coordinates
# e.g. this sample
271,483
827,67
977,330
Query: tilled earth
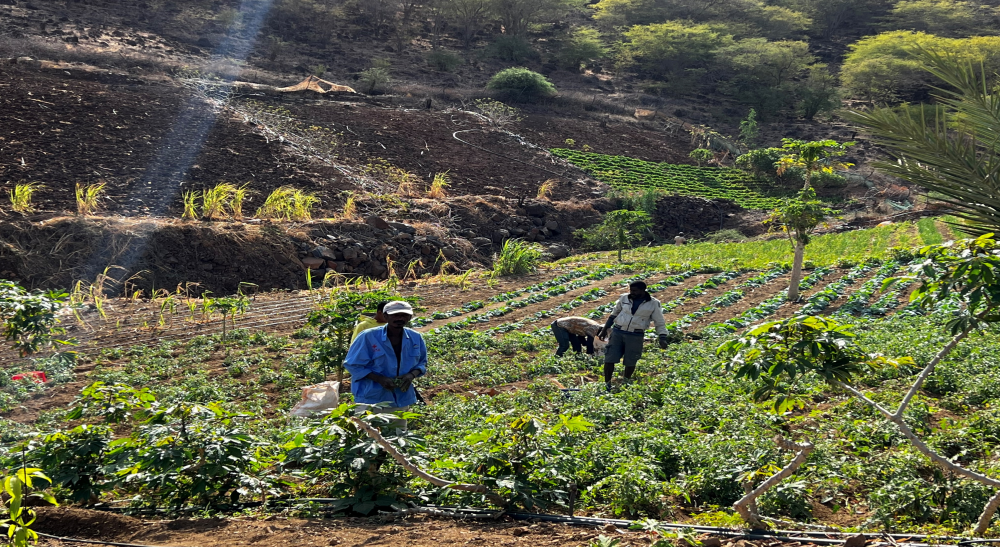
415,531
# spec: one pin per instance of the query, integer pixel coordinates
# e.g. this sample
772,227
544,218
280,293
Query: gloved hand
664,341
602,334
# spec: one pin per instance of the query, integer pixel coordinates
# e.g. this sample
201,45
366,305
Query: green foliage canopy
521,84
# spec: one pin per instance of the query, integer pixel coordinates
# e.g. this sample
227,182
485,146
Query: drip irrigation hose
793,536
476,146
6,528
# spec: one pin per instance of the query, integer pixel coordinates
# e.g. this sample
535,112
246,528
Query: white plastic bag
317,399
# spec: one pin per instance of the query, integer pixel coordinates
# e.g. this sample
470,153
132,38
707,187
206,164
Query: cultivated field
504,412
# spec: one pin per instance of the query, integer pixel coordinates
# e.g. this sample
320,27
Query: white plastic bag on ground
318,399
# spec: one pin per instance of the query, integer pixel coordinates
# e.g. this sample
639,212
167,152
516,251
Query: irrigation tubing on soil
476,146
790,536
6,528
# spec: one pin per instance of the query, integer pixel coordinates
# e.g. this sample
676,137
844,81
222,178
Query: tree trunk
793,284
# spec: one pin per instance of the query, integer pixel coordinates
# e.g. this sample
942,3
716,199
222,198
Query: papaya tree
809,157
798,217
777,355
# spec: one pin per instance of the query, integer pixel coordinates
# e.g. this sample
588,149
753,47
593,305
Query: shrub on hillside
442,60
521,84
582,46
514,49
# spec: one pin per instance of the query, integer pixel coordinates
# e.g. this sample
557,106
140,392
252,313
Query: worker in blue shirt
384,361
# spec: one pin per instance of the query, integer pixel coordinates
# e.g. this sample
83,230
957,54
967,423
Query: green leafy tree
29,317
941,17
951,147
813,157
818,92
675,50
701,155
581,47
889,68
779,355
620,230
764,74
798,217
749,131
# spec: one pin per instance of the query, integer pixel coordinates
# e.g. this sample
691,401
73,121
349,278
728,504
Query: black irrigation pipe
7,527
792,536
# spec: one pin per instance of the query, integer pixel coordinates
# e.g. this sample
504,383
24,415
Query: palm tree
952,148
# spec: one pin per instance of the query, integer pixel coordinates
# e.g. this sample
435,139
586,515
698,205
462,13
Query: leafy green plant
228,306
516,257
29,317
288,203
620,230
701,155
376,79
521,84
87,198
22,195
19,516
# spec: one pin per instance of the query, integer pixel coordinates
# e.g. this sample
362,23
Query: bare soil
273,531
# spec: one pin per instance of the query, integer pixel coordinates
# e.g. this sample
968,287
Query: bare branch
928,370
747,505
436,481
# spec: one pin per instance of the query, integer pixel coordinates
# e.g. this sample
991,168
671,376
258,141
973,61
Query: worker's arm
419,368
360,362
658,320
603,333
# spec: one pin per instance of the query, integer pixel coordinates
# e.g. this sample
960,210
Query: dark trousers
566,339
622,347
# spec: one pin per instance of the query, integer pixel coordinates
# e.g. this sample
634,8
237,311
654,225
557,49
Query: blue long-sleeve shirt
372,352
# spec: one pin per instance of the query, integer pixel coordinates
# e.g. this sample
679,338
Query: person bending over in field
364,322
384,361
578,331
627,325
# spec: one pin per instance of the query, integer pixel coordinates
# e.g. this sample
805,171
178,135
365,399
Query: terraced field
708,182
